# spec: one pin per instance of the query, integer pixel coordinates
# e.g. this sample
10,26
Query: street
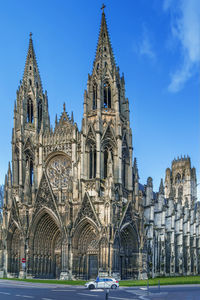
25,290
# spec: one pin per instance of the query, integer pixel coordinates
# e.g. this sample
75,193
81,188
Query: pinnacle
161,188
135,163
6,180
9,169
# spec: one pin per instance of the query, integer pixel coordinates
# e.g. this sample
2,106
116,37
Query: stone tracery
59,171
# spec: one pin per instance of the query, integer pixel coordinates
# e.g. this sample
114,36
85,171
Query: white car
109,283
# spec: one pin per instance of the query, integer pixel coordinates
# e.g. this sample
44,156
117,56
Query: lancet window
178,178
31,172
29,164
39,113
180,192
17,165
107,95
125,160
105,163
92,161
30,110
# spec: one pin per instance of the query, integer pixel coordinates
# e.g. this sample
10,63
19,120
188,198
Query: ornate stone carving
128,217
44,196
86,210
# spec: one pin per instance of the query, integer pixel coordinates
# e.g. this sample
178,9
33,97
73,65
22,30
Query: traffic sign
23,260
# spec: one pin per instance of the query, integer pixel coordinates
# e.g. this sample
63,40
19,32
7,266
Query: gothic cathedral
73,204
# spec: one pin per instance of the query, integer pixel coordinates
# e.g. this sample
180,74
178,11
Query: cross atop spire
31,75
103,6
104,53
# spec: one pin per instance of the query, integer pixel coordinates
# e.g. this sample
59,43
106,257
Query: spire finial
103,6
30,34
64,106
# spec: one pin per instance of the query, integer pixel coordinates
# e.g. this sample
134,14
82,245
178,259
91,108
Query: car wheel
91,287
113,286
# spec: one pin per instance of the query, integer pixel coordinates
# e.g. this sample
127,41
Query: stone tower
106,169
181,180
30,120
107,136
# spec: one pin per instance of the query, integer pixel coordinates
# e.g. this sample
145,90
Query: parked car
109,283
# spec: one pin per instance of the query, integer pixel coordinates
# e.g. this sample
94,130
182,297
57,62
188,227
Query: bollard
158,286
107,292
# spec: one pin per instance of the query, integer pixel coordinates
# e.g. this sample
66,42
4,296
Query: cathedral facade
73,204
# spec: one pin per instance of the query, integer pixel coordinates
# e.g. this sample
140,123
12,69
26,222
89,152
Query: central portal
85,250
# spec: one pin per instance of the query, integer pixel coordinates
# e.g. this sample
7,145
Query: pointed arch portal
128,252
85,250
14,245
46,249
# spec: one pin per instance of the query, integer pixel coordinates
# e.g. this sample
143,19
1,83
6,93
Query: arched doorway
46,248
85,250
129,252
14,246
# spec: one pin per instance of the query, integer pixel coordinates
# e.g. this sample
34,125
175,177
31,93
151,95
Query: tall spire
104,53
31,75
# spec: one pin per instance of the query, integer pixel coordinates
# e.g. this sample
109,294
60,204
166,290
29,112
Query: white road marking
144,289
4,293
87,295
120,298
25,296
47,299
99,290
63,290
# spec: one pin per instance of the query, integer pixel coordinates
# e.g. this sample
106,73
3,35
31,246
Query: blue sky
157,46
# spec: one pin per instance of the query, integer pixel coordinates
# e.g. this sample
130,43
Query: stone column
64,275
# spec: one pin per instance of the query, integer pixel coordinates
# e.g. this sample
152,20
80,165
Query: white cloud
185,27
145,46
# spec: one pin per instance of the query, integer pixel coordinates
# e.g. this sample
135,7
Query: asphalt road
10,290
